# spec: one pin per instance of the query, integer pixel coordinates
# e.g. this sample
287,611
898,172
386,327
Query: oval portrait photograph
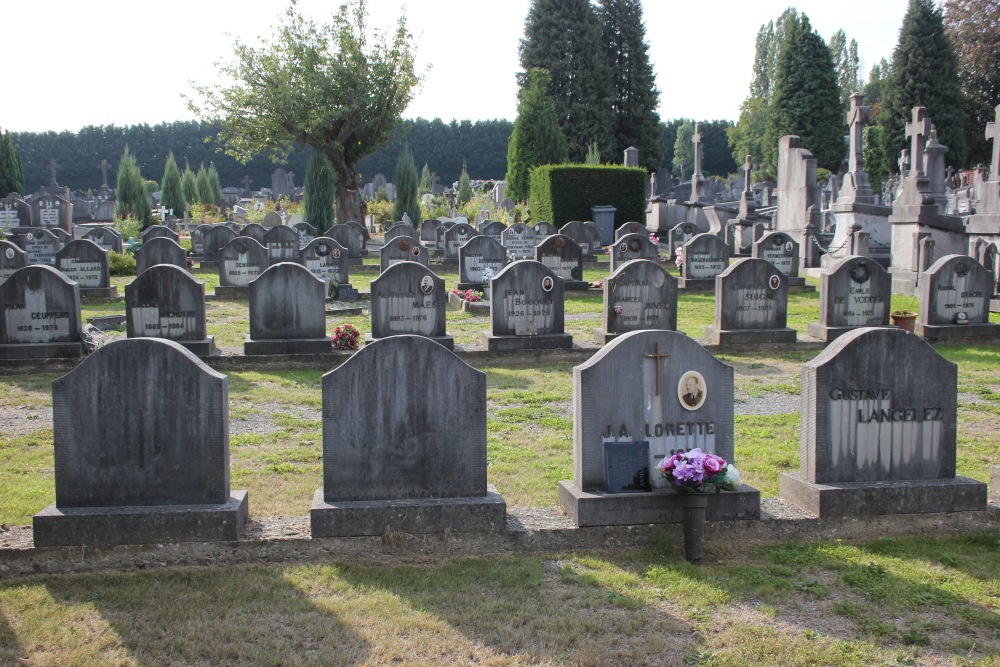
691,390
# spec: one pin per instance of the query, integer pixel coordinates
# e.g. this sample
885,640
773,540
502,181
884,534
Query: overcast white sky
71,63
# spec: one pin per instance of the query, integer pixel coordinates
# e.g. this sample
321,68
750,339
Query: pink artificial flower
714,464
668,464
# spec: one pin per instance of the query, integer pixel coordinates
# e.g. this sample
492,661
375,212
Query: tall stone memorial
409,298
705,256
527,309
955,301
645,396
639,295
751,305
86,263
853,293
287,314
152,469
879,410
167,302
405,459
479,254
40,313
240,263
565,257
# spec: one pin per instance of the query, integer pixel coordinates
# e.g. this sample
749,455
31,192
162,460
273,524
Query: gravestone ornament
543,230
287,314
493,229
639,295
409,298
86,263
241,262
159,232
402,249
564,257
282,244
14,212
855,292
751,305
633,246
519,240
327,260
305,231
12,258
40,311
256,232
215,239
955,298
680,235
879,410
403,459
167,302
705,256
480,254
106,238
663,389
350,238
527,310
160,250
139,474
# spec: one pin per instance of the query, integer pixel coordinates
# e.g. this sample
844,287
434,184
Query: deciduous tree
974,28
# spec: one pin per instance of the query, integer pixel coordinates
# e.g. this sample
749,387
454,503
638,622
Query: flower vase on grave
694,506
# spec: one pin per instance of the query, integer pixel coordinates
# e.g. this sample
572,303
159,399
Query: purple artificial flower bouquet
693,471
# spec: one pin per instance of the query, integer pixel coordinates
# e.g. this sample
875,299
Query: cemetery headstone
160,250
955,298
159,232
52,212
240,263
855,292
12,258
256,232
327,260
519,240
586,234
492,228
350,238
402,249
878,430
527,309
751,305
456,236
783,251
639,295
361,229
543,229
282,244
403,459
40,311
704,257
14,212
663,390
633,246
287,313
306,233
680,235
400,229
428,232
136,474
105,238
167,302
479,254
409,298
271,219
564,257
40,246
215,239
630,228
86,263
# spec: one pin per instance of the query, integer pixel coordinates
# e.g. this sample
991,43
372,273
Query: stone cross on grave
993,132
656,357
246,183
162,212
53,165
696,139
104,166
917,131
857,118
903,162
747,172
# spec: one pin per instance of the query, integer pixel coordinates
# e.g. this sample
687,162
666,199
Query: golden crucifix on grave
656,356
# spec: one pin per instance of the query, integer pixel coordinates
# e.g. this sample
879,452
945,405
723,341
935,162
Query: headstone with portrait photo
564,256
527,309
327,260
402,249
751,305
86,263
12,258
662,391
409,298
350,238
287,315
783,251
50,211
633,246
854,292
39,315
955,296
679,235
168,302
639,295
480,256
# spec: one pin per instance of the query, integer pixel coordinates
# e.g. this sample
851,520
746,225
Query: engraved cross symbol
656,356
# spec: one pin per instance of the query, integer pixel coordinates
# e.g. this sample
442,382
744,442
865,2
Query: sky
125,62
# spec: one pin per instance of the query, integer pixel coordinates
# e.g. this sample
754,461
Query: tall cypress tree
924,72
204,185
173,194
564,37
189,185
131,198
636,98
406,188
213,183
806,98
536,139
464,191
320,192
11,174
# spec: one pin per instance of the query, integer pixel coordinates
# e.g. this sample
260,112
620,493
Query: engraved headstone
955,298
492,228
479,254
348,237
86,263
781,250
564,257
52,211
167,302
287,315
282,244
639,295
40,311
14,212
215,239
704,257
255,231
159,232
306,233
456,237
198,240
409,298
327,260
855,292
680,235
240,263
519,240
160,250
12,258
402,249
40,246
527,309
106,238
633,246
586,234
751,305
543,229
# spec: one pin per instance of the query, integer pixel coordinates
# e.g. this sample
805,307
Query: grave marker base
287,346
447,340
576,285
919,496
486,514
232,292
41,351
696,284
661,506
817,330
798,284
538,342
201,348
941,333
54,527
715,336
99,292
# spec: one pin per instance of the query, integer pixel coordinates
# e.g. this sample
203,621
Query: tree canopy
536,139
974,28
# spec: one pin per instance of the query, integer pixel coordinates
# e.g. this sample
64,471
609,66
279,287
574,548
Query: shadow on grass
10,647
244,616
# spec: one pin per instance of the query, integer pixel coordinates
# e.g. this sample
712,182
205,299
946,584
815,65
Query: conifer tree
464,191
974,28
173,195
406,188
425,180
204,185
11,174
213,183
635,96
536,139
189,185
320,192
131,198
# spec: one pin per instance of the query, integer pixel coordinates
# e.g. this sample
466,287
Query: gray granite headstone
402,249
630,228
240,263
51,212
705,257
155,468
456,237
287,314
306,233
679,235
402,459
439,236
167,302
519,240
86,263
198,239
586,234
327,260
781,250
215,239
639,295
854,292
633,246
14,212
12,258
428,232
751,305
348,237
40,246
106,238
661,388
282,244
955,298
400,229
527,308
543,229
160,250
478,254
879,410
409,298
361,229
271,219
159,232
492,228
255,231
564,257
40,311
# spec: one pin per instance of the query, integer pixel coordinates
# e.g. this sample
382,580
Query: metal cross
656,356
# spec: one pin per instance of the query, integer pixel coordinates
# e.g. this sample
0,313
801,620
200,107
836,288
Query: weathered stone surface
40,246
400,230
214,240
327,260
705,257
479,254
255,231
519,240
527,309
287,314
955,298
855,292
160,250
629,228
544,229
454,238
306,233
428,232
348,237
167,302
52,212
586,234
241,262
86,263
282,244
781,250
751,305
39,315
679,235
409,298
639,295
198,239
12,258
159,232
493,229
106,238
564,257
402,249
272,220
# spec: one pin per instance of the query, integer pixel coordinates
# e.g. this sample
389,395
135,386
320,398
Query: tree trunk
348,194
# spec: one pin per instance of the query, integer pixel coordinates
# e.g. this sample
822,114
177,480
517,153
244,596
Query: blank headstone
639,295
160,250
409,298
527,309
167,302
478,254
215,239
955,298
400,229
106,238
751,305
287,313
271,220
633,246
255,231
564,257
86,263
855,292
39,314
402,249
159,232
428,232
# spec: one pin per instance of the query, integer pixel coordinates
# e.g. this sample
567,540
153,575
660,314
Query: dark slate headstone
215,239
306,233
160,250
198,239
639,295
564,257
544,229
402,249
955,298
12,258
327,260
86,263
428,232
14,212
160,232
361,229
662,388
751,305
477,255
409,298
240,263
40,311
282,244
167,302
527,309
256,232
40,246
439,235
679,235
152,468
106,238
630,228
400,229
51,212
781,250
878,430
492,228
287,313
633,246
855,292
586,234
519,240
402,460
456,237
705,257
348,237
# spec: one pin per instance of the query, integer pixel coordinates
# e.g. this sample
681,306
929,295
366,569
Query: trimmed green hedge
560,193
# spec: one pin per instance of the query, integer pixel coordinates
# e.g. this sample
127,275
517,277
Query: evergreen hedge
560,193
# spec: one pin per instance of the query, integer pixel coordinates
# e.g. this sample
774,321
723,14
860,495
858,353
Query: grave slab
527,309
